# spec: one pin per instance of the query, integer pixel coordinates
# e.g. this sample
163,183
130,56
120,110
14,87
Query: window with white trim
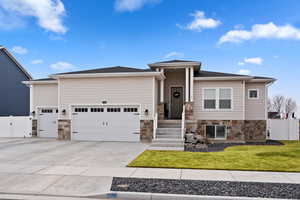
210,98
217,98
216,132
253,94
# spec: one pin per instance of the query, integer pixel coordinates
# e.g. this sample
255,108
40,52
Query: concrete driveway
46,166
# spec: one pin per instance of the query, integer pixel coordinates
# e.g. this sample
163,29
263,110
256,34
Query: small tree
278,103
290,105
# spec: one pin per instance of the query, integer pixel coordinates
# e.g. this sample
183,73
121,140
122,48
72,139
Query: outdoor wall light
146,111
63,111
33,113
104,102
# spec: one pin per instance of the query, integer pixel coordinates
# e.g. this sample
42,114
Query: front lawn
284,158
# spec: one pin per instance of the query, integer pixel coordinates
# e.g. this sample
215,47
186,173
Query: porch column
187,93
162,88
191,84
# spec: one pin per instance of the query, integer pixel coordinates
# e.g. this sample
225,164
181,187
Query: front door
176,102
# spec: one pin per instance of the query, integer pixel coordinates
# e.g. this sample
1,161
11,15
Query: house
158,103
14,94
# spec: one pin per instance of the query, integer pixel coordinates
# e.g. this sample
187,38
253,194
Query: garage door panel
47,122
111,124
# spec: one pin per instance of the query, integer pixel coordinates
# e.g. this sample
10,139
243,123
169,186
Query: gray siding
15,96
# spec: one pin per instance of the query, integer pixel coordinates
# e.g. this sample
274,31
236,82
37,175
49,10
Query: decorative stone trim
161,111
146,131
255,130
64,129
189,110
34,128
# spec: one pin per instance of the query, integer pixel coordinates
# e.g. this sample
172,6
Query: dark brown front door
176,102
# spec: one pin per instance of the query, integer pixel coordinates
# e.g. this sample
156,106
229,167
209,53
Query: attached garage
47,122
106,123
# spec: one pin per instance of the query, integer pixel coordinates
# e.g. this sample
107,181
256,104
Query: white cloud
241,63
61,66
19,50
132,5
262,31
254,60
49,13
174,54
244,72
38,61
9,21
200,22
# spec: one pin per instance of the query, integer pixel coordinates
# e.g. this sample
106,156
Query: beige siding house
163,102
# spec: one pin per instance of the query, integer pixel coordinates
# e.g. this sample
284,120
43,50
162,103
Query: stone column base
161,111
34,128
64,129
146,131
189,110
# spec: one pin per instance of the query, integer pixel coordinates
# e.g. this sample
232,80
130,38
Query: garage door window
97,109
130,110
81,109
47,111
113,109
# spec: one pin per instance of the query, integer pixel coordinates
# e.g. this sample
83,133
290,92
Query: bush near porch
284,158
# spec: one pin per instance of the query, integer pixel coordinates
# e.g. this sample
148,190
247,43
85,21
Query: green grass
285,158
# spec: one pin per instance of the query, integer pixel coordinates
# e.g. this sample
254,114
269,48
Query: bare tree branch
269,105
290,105
278,103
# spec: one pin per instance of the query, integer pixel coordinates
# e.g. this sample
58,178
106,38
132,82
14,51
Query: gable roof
116,69
2,48
175,61
216,74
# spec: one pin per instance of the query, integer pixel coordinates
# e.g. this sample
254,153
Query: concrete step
169,121
169,125
168,136
168,130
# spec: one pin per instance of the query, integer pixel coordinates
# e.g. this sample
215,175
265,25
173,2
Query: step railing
155,125
183,122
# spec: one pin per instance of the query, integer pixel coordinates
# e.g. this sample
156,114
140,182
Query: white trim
39,82
191,84
233,78
244,100
170,97
266,102
129,74
175,64
162,88
154,100
263,80
187,85
217,99
253,89
31,98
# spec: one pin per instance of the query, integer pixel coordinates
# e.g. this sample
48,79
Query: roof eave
177,64
33,82
99,75
227,78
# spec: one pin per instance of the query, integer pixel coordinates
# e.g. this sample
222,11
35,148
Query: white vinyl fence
280,129
15,126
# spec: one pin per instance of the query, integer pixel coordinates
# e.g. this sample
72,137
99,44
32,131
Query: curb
160,196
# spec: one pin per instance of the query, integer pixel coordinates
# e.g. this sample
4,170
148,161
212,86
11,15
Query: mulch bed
210,188
221,146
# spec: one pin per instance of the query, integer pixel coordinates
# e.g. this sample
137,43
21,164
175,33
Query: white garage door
47,122
106,123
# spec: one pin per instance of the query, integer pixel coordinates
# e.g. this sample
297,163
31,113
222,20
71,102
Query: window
47,111
97,109
253,94
217,98
224,98
81,110
210,98
130,110
113,109
216,132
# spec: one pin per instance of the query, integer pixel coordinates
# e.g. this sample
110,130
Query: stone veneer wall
34,128
64,129
146,131
161,111
255,130
189,110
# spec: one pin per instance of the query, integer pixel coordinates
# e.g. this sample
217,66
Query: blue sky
251,37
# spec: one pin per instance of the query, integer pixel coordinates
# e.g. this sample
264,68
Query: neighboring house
129,104
14,94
